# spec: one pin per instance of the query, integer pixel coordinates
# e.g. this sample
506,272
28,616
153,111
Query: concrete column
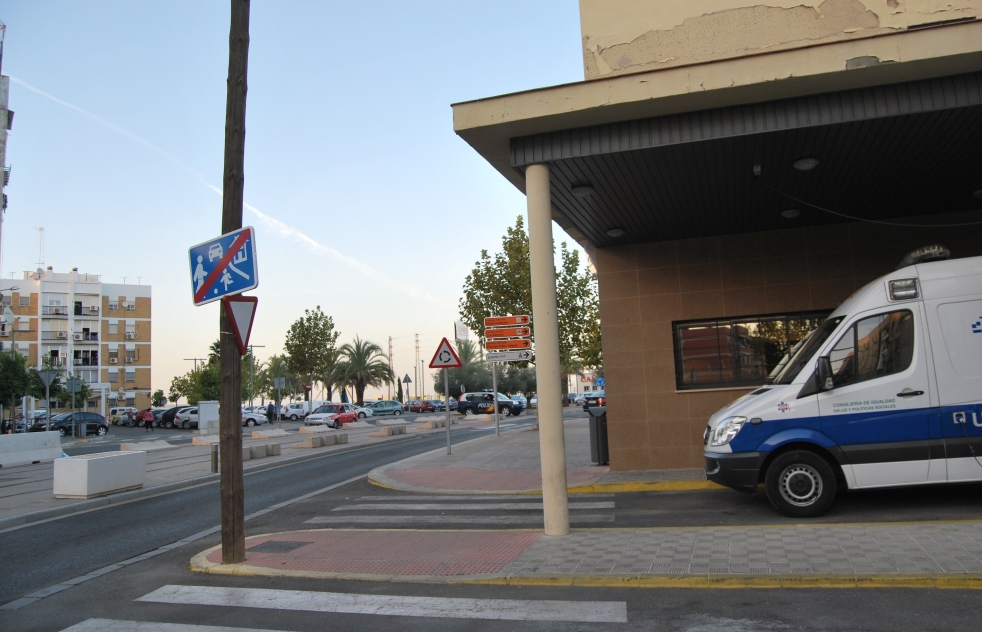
545,323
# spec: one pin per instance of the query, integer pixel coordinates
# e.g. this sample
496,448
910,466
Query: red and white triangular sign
241,311
445,357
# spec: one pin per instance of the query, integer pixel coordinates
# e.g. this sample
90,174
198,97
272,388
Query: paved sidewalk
510,465
918,554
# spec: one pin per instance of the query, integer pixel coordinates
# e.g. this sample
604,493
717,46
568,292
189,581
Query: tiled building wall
645,287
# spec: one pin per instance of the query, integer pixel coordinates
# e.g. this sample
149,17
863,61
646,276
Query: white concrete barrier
320,429
269,434
147,446
91,475
29,447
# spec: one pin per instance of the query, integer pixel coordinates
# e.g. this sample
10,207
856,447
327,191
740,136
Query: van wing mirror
823,374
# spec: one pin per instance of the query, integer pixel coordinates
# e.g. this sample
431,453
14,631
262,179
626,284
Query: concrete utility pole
548,378
230,369
390,366
417,364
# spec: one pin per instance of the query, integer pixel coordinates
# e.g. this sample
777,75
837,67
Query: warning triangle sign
241,311
445,357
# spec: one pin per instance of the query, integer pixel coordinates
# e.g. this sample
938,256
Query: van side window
874,347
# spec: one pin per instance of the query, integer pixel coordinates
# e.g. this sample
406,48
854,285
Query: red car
143,416
334,415
421,407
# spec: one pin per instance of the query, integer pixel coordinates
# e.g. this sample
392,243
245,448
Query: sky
364,200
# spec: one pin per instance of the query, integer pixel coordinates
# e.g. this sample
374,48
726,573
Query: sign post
47,376
501,335
446,358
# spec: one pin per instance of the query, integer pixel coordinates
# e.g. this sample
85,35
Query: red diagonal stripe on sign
216,272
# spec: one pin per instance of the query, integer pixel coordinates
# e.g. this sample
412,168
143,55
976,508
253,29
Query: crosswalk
455,510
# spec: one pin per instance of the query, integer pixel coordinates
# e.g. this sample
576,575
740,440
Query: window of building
130,400
130,330
873,347
130,375
113,376
130,355
113,356
113,305
24,324
733,352
129,305
6,300
113,328
25,301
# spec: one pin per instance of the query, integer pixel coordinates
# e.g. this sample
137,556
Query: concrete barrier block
314,429
343,437
204,440
147,446
29,447
269,434
381,432
257,452
273,449
92,475
246,454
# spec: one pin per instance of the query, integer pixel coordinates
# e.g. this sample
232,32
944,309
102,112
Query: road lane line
402,496
393,605
116,625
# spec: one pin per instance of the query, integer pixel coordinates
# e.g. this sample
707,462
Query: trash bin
598,435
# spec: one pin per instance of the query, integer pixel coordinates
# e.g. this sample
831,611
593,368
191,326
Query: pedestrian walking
270,412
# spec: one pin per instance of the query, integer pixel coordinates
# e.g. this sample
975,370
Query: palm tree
362,365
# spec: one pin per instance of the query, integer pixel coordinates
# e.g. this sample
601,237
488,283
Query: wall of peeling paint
626,36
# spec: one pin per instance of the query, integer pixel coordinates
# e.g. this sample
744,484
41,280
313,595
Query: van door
957,338
879,410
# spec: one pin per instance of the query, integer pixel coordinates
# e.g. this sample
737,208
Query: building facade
736,169
99,332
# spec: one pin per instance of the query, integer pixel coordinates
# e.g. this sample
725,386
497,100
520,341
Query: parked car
386,407
423,406
253,418
521,398
158,413
453,403
534,401
64,424
363,411
167,417
144,417
438,405
579,398
120,411
187,418
596,398
295,411
483,403
333,415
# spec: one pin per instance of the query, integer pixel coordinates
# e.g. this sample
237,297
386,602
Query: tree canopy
362,364
310,345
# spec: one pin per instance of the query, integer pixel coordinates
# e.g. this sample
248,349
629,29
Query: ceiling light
805,164
977,194
584,190
791,213
616,232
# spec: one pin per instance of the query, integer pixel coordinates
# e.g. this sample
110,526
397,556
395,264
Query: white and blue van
886,392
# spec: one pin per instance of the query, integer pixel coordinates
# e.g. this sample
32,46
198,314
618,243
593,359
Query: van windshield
799,356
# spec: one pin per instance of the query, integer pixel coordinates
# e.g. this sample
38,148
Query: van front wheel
800,484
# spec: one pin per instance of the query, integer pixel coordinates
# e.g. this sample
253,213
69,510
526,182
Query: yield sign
241,311
445,357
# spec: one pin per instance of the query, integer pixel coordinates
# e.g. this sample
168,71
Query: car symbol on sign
215,252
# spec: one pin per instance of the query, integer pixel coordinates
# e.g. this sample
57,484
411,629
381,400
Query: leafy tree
158,399
363,364
215,353
310,345
278,367
14,378
199,384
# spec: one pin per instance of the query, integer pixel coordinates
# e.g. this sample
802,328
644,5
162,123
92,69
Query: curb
139,494
378,478
200,564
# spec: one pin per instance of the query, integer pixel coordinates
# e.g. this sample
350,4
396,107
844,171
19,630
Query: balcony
87,312
86,362
85,338
54,311
55,336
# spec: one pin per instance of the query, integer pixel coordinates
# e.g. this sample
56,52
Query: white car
295,411
251,418
187,418
362,411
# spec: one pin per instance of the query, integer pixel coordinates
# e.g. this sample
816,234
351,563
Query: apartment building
99,332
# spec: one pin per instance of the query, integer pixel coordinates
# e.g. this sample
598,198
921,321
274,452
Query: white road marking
466,506
392,605
452,519
115,625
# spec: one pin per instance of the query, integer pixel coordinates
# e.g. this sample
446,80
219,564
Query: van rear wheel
800,484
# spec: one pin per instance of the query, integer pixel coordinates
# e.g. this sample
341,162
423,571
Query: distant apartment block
99,332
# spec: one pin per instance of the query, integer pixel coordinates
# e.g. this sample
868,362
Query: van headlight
726,430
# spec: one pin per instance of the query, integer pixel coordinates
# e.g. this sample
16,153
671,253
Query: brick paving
469,478
830,550
406,553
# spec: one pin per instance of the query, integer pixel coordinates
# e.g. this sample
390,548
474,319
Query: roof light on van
903,289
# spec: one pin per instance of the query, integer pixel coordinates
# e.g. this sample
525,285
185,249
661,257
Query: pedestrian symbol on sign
224,266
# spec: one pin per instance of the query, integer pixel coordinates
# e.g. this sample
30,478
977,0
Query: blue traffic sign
600,382
224,266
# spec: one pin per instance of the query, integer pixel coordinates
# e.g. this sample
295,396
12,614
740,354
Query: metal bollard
214,459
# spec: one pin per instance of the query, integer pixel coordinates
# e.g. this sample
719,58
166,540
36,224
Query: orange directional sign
498,345
508,332
505,321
